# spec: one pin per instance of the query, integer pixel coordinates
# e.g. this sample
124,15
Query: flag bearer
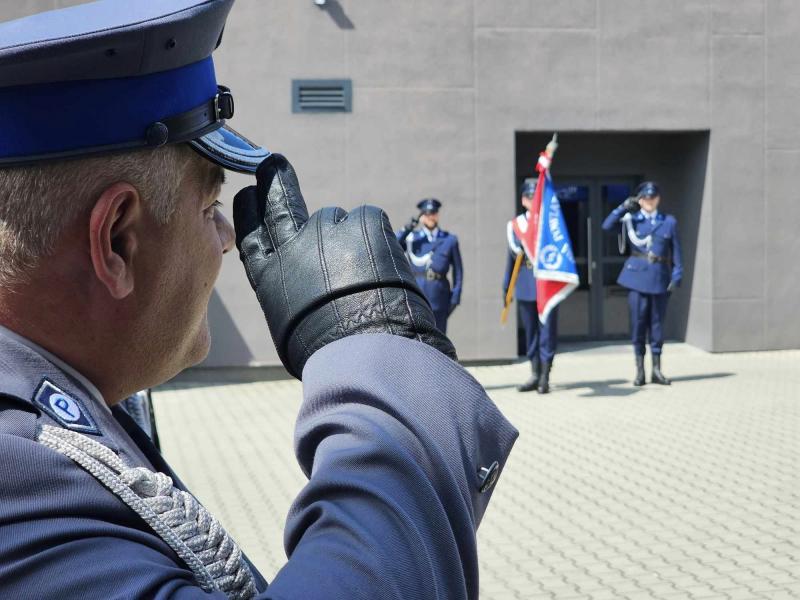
651,272
540,339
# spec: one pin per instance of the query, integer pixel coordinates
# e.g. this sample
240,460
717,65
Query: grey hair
39,202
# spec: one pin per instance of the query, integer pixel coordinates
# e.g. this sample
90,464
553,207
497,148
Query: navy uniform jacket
525,289
438,254
403,528
660,239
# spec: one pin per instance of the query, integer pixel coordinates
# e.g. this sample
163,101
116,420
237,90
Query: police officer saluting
651,272
113,141
540,338
432,253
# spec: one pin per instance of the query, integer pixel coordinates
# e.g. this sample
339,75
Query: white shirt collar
88,385
431,234
650,216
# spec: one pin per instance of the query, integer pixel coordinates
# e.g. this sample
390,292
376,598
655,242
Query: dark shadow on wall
228,347
335,10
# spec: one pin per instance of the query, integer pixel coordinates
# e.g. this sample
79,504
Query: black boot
658,376
533,380
544,380
639,370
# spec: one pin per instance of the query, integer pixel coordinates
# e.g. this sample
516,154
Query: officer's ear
113,238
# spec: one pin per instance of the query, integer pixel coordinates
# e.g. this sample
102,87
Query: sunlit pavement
687,491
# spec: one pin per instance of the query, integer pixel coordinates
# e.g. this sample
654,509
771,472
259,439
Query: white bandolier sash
522,223
646,241
174,515
423,261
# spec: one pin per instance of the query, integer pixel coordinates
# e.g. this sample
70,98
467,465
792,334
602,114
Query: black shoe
658,376
639,381
533,380
544,380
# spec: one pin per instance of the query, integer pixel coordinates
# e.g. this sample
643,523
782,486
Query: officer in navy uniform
540,338
114,139
651,272
432,253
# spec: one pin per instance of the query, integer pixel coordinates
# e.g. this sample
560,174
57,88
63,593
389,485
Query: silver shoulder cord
627,226
176,516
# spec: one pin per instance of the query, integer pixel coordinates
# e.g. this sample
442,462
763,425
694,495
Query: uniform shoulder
670,219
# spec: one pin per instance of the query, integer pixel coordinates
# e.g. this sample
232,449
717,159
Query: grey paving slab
688,491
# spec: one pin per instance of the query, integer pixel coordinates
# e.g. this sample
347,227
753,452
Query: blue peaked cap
648,189
117,75
429,205
528,187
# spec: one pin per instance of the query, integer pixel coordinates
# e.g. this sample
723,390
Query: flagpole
545,158
510,291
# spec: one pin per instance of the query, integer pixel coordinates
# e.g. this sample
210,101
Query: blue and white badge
65,409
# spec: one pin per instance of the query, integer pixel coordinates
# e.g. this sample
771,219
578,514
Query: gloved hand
672,285
412,223
631,204
454,302
328,276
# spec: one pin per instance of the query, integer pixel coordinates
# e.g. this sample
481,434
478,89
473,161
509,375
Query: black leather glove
631,204
321,278
412,223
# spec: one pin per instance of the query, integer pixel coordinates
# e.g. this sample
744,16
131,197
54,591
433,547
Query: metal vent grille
322,95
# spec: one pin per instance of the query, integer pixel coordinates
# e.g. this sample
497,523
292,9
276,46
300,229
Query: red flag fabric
548,249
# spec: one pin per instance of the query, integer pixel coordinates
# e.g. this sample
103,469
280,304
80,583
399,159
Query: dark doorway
598,308
593,173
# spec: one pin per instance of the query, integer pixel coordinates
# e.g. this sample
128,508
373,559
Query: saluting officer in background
651,272
432,253
540,338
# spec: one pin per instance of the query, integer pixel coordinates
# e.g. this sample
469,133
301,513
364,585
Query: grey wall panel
743,16
536,80
738,165
783,73
782,326
700,331
652,64
415,43
738,325
496,190
401,149
538,14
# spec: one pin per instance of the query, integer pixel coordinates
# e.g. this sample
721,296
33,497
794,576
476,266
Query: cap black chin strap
193,123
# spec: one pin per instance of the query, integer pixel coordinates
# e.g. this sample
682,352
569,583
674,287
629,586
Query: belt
650,257
433,275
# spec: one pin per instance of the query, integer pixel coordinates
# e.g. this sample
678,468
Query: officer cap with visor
429,205
117,75
648,189
528,188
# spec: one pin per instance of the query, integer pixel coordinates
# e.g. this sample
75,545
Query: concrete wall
441,89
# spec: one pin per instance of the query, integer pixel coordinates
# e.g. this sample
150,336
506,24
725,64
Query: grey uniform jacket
390,510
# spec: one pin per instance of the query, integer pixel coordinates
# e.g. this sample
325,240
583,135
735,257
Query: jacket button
488,476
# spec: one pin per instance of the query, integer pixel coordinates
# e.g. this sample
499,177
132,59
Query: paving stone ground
612,492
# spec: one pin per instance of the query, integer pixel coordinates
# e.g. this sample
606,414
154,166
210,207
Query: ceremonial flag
547,244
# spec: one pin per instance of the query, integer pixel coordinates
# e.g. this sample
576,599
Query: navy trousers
441,319
647,320
540,338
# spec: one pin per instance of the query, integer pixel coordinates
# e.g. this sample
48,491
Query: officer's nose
227,236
